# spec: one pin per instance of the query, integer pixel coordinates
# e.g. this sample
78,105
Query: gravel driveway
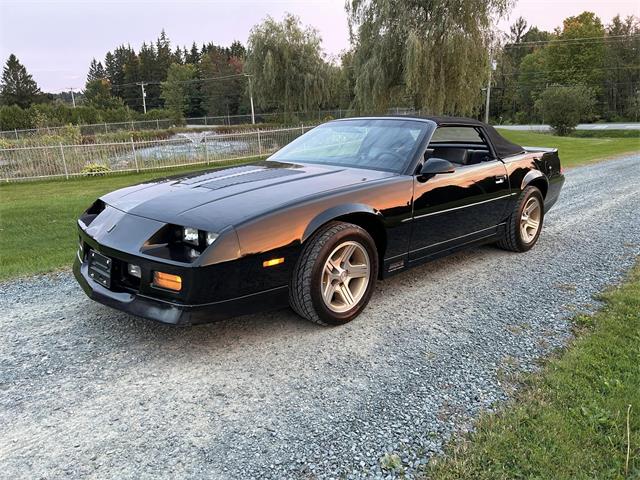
89,392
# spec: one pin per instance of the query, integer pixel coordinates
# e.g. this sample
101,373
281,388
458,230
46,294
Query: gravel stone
86,391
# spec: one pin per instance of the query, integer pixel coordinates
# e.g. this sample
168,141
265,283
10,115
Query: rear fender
536,178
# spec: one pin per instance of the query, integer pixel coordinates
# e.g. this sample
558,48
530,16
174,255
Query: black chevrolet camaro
317,223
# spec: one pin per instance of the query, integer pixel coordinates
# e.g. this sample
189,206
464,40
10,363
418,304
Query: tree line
436,57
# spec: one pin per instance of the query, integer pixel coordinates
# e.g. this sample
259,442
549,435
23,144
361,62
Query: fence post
206,150
157,124
135,157
205,120
259,144
64,162
301,128
105,128
16,132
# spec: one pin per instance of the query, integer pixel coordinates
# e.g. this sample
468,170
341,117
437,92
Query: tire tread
301,280
509,240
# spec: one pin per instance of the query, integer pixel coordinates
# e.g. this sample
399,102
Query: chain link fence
206,148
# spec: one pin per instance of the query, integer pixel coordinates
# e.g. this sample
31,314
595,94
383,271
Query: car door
452,209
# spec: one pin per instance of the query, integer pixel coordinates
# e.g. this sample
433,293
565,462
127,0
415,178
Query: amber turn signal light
273,262
168,281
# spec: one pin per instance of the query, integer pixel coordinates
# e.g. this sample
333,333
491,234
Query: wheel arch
364,216
535,178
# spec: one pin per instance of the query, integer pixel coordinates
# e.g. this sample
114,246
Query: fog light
134,270
168,281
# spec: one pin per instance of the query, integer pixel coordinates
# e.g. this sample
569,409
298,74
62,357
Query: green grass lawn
38,219
576,151
570,420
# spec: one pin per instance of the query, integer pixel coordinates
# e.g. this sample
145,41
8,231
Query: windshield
378,144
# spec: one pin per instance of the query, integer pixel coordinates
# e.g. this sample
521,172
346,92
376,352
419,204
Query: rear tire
524,225
334,277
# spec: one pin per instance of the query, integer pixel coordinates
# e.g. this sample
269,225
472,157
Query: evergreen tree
221,90
96,71
17,87
110,68
193,57
177,89
237,50
129,91
622,68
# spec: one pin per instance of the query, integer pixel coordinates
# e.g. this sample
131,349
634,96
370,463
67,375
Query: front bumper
176,313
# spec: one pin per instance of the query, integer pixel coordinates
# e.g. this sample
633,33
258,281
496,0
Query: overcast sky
56,40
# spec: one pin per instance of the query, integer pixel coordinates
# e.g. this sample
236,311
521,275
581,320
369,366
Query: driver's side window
460,145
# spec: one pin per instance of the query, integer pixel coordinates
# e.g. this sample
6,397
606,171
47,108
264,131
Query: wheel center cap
343,276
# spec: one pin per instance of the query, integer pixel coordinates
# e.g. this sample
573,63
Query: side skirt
401,263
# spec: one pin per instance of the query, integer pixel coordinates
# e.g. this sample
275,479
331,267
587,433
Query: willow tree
288,72
428,54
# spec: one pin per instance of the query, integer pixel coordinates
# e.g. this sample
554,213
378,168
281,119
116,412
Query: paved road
581,126
87,392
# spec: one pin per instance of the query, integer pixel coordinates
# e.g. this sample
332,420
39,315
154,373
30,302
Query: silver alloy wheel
345,277
530,219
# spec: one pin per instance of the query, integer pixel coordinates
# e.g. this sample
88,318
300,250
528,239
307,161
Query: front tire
524,225
334,277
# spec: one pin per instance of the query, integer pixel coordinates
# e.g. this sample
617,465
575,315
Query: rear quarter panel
539,167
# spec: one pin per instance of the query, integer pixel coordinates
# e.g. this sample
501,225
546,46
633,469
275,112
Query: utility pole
253,115
144,96
492,67
73,99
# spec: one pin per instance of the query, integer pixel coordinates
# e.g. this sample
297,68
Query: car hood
219,198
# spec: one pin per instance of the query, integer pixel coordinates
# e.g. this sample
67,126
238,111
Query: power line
197,80
569,70
583,40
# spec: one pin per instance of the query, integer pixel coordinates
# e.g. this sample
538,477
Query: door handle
500,178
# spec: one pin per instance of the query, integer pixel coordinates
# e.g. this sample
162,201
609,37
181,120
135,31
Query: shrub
13,117
95,169
564,107
156,114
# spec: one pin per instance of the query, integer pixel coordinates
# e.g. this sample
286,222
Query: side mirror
435,165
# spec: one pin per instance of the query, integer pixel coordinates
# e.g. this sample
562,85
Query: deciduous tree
285,62
430,55
564,107
97,94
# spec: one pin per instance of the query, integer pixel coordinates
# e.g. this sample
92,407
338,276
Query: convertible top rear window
379,144
456,134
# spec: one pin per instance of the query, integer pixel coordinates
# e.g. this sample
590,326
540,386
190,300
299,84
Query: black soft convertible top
503,147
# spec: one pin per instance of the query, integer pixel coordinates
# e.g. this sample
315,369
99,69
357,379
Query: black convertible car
317,223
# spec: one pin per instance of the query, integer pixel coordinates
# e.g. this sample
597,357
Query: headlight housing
176,242
211,237
198,238
191,235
